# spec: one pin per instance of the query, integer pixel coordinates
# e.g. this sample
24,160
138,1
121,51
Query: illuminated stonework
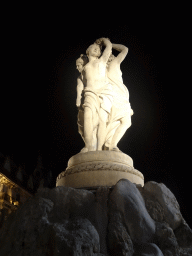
4,180
11,196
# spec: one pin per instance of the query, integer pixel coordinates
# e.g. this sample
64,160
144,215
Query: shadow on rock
149,249
127,200
118,239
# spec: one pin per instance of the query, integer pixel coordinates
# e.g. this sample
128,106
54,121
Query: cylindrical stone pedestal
99,168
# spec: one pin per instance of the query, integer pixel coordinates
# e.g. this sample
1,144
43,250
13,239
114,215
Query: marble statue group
104,111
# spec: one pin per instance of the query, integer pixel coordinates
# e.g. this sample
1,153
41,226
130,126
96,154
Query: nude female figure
97,93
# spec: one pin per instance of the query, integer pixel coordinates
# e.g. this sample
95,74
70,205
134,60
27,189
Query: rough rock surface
155,210
124,221
166,239
184,235
167,200
148,250
118,239
101,216
126,199
69,202
37,228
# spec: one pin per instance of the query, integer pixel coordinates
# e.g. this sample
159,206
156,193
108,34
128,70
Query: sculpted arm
108,49
123,52
80,88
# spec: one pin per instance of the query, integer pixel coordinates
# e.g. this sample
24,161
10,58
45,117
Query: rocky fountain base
126,219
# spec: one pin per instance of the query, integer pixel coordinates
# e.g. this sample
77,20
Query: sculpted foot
91,149
84,150
105,148
115,149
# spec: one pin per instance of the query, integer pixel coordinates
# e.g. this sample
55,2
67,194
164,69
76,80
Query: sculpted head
81,62
93,50
111,57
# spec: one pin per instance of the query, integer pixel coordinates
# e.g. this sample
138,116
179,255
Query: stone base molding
99,168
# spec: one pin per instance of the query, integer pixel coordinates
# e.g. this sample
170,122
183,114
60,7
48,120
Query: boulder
126,199
101,216
125,220
118,239
28,231
166,240
184,235
149,249
35,229
154,209
167,200
69,202
76,237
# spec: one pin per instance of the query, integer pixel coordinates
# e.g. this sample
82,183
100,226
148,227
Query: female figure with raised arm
120,119
98,94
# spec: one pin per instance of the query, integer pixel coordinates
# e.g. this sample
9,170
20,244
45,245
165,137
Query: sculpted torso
83,79
114,73
95,74
114,70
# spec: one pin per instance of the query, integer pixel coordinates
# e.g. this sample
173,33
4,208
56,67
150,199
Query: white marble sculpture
102,99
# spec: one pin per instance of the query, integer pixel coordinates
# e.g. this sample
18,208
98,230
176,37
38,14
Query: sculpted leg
102,129
94,142
125,123
88,129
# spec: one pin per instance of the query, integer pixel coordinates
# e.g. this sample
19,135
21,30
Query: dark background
38,112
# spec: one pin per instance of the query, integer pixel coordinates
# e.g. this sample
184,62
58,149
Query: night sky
39,112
